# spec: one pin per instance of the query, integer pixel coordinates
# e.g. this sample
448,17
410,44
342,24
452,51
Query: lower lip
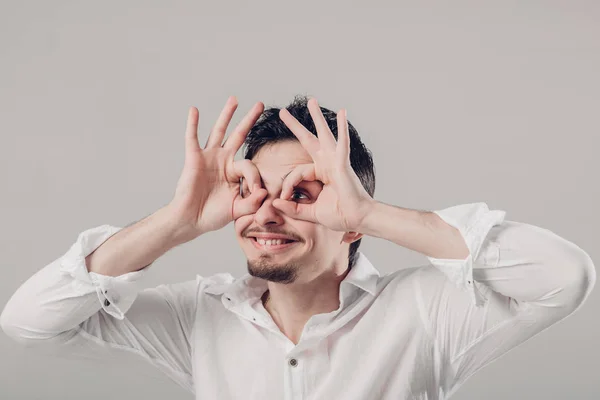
274,248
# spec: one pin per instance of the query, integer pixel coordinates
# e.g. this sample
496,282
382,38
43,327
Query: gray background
459,102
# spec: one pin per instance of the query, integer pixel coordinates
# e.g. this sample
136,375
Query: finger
237,137
191,132
343,146
217,133
305,137
323,132
248,170
295,210
250,204
303,172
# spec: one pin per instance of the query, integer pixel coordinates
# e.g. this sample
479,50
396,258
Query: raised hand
343,202
207,196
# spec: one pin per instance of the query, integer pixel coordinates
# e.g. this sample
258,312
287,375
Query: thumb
250,204
295,210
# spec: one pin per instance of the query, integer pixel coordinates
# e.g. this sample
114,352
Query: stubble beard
266,269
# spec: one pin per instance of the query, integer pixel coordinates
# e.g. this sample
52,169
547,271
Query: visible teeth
270,242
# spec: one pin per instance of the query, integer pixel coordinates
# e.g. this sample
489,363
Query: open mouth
272,245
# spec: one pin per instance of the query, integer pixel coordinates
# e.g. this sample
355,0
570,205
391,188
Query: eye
244,191
300,192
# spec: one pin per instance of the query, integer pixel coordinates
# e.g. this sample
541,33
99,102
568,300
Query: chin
273,271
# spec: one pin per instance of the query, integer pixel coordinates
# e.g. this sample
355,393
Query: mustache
290,235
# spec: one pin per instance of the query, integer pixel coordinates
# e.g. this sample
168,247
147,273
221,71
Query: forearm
136,246
421,231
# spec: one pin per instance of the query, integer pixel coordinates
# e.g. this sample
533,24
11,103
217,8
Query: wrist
368,223
176,227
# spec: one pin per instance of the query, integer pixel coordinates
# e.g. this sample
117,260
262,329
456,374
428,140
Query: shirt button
293,362
106,303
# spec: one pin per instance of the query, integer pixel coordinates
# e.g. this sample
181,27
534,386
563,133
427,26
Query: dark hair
270,129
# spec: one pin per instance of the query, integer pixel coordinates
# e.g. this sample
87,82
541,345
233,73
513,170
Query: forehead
275,160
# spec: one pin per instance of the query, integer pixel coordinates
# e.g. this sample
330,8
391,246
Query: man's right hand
207,196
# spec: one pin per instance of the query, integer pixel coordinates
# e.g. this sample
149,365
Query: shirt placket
295,377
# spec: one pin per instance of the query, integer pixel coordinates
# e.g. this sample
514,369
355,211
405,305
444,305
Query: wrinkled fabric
416,333
474,221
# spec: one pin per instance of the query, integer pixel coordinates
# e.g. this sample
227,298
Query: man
313,318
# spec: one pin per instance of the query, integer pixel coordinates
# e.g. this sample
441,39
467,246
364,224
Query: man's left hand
343,202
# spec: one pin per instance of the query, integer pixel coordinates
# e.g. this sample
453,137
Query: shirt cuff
474,221
115,293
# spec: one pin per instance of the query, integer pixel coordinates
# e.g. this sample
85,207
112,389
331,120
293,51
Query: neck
292,305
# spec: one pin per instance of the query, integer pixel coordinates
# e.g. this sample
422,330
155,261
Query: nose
267,214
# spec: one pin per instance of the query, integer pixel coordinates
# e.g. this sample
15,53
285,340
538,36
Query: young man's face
316,249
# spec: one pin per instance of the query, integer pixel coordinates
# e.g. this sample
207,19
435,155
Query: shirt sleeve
66,309
518,280
474,221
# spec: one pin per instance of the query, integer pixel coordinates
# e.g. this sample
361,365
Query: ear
350,237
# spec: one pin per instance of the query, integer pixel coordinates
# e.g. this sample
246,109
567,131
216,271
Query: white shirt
416,333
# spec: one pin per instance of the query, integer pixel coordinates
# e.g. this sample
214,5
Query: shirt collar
363,275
